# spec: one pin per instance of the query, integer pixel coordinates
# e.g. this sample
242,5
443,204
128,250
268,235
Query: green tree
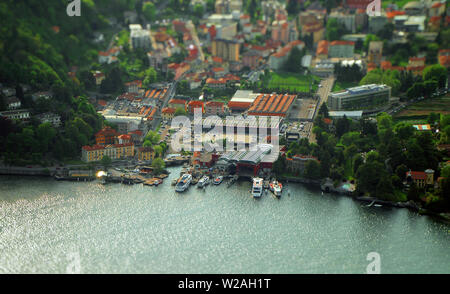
149,11
150,77
106,161
198,10
312,170
180,111
436,72
158,165
294,61
45,133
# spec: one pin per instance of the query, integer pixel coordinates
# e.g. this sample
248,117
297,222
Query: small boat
377,205
203,182
257,188
218,180
183,183
276,188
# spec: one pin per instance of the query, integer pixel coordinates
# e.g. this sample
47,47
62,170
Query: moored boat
276,188
203,182
218,180
183,183
257,188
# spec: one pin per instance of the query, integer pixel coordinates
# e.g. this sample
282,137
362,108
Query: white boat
257,188
203,182
183,183
276,188
218,180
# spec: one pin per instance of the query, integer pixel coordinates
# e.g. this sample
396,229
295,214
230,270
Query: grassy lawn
420,110
339,86
293,82
400,3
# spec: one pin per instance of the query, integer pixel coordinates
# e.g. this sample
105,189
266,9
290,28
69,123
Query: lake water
46,226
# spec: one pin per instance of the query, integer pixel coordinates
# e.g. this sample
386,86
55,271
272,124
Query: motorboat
257,188
203,182
183,183
276,188
218,180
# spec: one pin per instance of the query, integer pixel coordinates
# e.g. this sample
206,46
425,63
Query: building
278,59
20,114
227,6
414,8
241,100
99,77
251,59
113,151
41,95
357,114
416,65
297,163
252,162
437,8
216,83
146,153
134,86
192,105
106,136
323,68
369,98
280,31
49,117
139,38
341,49
347,20
271,105
168,113
375,52
13,103
205,159
422,128
322,49
357,4
376,23
421,179
226,49
444,57
214,108
129,123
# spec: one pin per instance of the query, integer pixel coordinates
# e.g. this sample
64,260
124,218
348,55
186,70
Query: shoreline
443,216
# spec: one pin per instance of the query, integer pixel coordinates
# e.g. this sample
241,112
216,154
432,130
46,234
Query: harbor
298,233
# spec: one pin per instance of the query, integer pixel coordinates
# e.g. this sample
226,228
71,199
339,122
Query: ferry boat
203,182
218,180
183,183
276,188
257,188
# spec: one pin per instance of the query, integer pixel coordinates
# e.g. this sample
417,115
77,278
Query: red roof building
106,136
192,105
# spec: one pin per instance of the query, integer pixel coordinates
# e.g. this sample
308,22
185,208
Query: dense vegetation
377,155
39,45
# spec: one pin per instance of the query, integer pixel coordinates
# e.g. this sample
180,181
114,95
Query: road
324,91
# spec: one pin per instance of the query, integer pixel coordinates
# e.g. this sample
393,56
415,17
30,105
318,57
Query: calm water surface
137,229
